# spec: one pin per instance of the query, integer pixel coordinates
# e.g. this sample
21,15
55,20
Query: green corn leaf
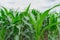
5,9
2,33
32,19
52,20
3,14
16,18
24,13
27,8
50,25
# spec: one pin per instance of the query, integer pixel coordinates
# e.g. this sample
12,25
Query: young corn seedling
37,24
26,25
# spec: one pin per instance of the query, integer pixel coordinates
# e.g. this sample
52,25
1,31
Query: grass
29,24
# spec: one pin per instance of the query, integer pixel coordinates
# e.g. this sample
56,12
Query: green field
29,24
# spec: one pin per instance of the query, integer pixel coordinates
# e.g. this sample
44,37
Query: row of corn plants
29,24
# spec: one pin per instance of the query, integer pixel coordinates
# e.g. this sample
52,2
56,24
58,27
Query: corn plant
37,22
27,25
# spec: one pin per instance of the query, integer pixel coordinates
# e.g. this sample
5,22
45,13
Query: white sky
21,4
